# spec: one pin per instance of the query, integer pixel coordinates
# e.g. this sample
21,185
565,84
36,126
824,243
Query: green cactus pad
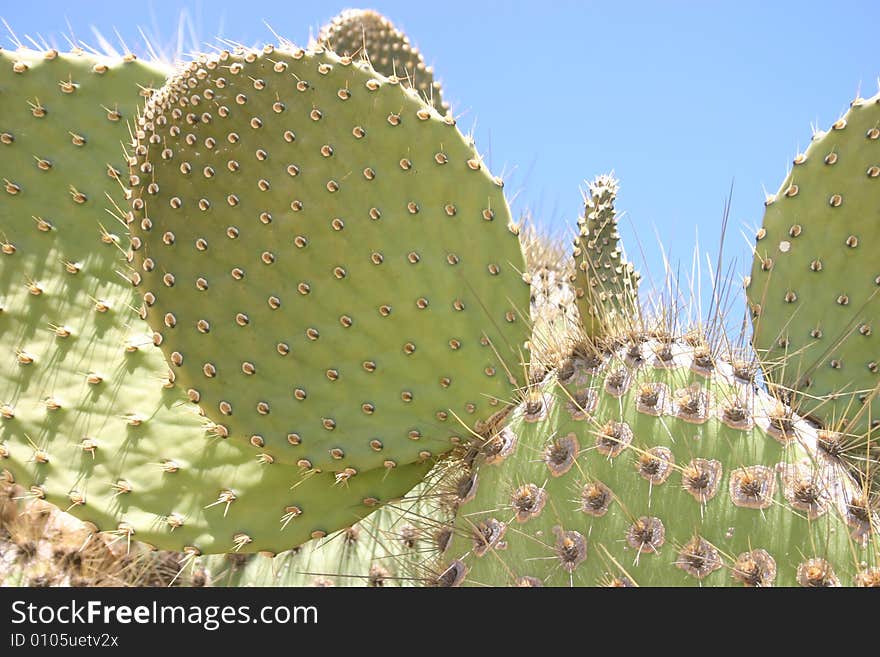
815,283
325,260
198,493
658,466
349,558
42,546
89,418
389,548
367,32
605,283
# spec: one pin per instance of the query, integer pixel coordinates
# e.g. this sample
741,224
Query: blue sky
681,99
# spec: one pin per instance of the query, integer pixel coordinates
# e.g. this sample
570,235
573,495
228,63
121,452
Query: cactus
392,547
42,546
605,283
301,329
89,417
326,262
657,464
814,284
347,558
368,33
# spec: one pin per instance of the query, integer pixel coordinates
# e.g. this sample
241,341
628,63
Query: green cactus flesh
89,418
41,545
666,469
815,278
366,32
605,283
389,548
325,260
349,558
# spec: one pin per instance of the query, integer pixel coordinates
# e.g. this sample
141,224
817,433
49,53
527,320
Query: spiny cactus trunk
657,464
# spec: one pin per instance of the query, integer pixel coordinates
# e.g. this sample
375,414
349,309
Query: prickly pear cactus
367,32
326,262
815,279
605,283
658,465
89,417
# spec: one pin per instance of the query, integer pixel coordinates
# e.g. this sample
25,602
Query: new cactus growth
90,419
325,261
364,32
814,284
658,464
605,283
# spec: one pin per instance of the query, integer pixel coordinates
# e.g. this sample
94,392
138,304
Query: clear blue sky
679,98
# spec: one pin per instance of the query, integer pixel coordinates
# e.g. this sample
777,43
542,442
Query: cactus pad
815,283
658,466
326,261
605,283
388,548
364,31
